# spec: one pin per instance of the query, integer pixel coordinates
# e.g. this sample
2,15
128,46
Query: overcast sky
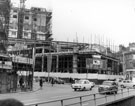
111,21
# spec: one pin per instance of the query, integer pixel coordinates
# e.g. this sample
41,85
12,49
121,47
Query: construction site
28,50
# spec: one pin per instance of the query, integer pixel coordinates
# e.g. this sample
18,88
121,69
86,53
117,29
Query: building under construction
30,51
7,74
30,24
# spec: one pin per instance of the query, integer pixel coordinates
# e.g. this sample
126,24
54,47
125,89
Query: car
108,87
119,80
127,83
58,81
93,84
82,85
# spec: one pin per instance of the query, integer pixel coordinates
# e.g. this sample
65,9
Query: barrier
92,99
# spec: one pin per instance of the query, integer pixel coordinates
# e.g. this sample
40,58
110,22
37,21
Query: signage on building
89,63
96,56
6,64
95,63
20,46
20,59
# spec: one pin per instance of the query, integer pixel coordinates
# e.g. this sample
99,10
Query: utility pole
123,55
49,62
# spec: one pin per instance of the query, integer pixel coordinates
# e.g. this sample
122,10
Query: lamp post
123,57
49,63
33,67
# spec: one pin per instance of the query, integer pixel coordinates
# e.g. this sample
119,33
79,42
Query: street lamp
123,57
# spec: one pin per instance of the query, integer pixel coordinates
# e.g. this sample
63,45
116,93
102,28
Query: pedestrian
41,83
52,81
21,82
10,102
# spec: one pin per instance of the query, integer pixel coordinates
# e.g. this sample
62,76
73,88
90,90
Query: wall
90,76
129,101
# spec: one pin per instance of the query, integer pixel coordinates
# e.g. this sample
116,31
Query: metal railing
91,99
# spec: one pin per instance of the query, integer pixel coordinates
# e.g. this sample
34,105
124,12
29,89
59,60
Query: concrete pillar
57,63
42,59
74,63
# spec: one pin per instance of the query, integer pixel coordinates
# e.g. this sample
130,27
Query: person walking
52,81
21,82
41,83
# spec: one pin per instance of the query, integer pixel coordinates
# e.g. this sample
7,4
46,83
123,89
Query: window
14,16
39,9
35,19
124,81
27,17
128,81
15,11
25,34
85,82
13,33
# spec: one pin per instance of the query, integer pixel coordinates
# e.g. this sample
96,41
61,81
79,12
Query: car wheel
75,89
122,86
84,88
116,92
91,88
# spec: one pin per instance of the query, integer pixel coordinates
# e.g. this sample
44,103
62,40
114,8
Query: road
60,92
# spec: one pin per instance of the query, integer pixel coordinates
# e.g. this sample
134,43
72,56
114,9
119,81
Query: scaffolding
21,19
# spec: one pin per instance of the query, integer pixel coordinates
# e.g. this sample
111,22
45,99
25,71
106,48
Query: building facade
35,23
127,59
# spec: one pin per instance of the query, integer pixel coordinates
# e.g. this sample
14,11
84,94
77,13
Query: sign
6,64
89,63
96,62
20,59
96,56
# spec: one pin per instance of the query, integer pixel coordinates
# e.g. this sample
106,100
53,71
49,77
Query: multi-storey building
35,24
127,59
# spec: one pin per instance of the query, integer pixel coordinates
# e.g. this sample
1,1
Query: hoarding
95,63
20,59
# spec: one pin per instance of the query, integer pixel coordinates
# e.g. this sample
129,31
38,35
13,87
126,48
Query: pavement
36,88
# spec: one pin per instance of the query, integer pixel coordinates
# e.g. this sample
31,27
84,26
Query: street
57,92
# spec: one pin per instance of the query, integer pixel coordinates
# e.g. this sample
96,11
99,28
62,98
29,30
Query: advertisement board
20,59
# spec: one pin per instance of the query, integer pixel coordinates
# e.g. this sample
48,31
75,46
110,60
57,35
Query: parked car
127,83
93,84
108,87
119,80
82,85
58,81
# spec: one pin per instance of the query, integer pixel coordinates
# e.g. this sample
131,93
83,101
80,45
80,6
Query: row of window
26,35
26,17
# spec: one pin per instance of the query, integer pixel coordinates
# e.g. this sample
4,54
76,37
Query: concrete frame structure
36,24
